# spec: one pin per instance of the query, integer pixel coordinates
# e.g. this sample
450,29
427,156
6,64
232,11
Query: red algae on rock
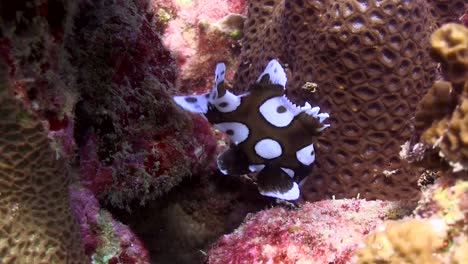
105,239
126,123
200,34
321,232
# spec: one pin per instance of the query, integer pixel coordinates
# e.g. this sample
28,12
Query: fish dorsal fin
218,89
193,103
275,73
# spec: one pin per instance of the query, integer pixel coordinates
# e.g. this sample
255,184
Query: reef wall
86,100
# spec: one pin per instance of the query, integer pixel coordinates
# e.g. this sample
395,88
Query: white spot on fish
237,132
268,148
306,155
278,111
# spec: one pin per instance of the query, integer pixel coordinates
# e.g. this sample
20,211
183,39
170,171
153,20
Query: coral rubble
320,232
370,64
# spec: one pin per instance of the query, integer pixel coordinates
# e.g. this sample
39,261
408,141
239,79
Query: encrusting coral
364,62
320,232
436,232
410,241
442,114
36,222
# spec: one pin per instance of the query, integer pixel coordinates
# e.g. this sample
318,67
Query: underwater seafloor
99,165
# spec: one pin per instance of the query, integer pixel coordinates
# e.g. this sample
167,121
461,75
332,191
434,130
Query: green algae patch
109,245
164,16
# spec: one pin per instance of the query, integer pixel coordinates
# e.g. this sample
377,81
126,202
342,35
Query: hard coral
446,11
126,115
447,129
321,232
450,47
435,233
370,63
36,223
410,241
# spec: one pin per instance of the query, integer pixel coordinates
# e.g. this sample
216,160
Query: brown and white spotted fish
270,135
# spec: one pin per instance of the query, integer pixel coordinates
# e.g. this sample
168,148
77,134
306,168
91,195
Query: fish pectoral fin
273,182
233,162
193,103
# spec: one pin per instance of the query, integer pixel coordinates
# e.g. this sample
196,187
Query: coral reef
446,11
441,114
411,241
320,232
370,66
105,239
437,230
129,131
36,223
99,80
180,226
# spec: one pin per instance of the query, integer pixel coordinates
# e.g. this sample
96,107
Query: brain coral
36,223
371,63
442,113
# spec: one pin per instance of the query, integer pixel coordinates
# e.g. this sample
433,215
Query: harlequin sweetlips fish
269,134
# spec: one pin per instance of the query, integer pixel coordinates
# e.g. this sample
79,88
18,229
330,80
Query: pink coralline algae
105,239
200,34
322,232
181,32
